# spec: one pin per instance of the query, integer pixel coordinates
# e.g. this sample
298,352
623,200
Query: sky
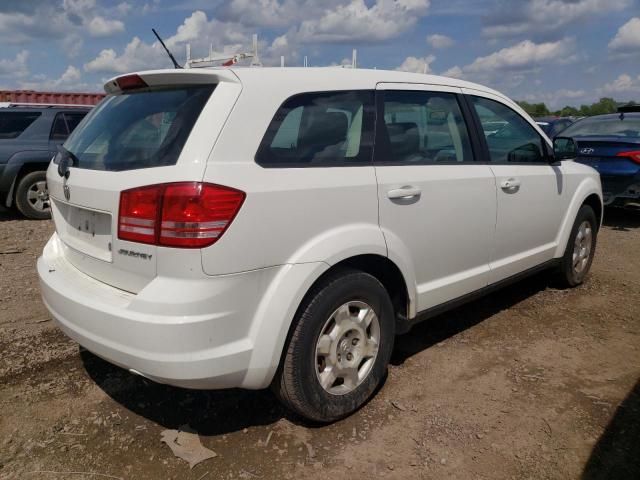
562,52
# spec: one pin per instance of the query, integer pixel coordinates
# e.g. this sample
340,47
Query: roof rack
223,61
43,105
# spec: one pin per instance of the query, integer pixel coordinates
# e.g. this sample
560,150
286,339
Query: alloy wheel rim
582,247
347,347
38,196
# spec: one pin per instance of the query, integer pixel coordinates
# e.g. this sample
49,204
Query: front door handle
406,192
510,184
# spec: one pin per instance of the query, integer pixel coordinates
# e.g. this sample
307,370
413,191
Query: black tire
297,383
24,204
567,273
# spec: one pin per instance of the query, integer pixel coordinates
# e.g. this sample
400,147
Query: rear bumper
192,333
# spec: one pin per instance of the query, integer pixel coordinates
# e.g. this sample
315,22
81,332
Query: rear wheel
339,349
32,196
581,247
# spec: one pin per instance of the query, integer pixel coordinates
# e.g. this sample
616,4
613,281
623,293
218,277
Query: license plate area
85,230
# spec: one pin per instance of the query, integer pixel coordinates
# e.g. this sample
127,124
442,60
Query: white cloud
625,83
454,72
101,27
537,17
70,80
123,8
523,56
438,40
16,67
417,65
56,21
197,30
627,38
356,21
137,55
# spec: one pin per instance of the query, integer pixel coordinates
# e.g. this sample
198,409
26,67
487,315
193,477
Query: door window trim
476,146
480,136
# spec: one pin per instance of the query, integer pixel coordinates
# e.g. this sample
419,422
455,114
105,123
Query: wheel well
391,278
24,170
596,204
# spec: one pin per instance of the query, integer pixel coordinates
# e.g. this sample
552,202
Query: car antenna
173,59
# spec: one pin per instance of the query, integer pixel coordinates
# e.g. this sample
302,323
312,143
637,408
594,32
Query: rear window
12,124
320,129
611,126
139,129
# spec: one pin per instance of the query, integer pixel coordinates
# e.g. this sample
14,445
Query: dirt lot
531,382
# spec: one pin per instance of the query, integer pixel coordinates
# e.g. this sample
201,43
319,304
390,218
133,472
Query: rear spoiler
629,109
161,78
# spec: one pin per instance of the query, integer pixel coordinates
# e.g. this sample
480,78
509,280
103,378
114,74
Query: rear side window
422,128
64,124
139,129
12,124
510,138
320,129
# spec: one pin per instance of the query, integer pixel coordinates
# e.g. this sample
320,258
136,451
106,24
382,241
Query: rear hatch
153,128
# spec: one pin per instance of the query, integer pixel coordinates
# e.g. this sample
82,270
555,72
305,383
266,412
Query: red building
59,98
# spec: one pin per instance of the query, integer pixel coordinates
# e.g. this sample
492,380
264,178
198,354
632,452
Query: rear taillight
185,215
138,216
633,155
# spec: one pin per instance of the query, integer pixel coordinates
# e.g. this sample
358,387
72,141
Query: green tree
534,109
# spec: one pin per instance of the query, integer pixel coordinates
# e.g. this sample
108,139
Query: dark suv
29,137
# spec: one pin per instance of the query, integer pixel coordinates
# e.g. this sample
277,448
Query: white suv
236,227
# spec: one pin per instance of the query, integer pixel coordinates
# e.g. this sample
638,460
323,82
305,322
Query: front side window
138,129
422,128
12,124
320,129
510,138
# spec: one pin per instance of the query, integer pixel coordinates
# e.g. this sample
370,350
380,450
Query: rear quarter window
320,129
13,124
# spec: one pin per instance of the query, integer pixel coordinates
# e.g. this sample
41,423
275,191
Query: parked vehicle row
552,126
29,137
236,227
611,145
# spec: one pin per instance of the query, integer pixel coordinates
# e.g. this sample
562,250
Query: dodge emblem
587,151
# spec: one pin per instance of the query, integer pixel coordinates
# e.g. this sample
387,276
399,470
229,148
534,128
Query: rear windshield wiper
67,159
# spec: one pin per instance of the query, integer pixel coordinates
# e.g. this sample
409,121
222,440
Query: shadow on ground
209,412
622,218
617,453
7,215
448,324
226,411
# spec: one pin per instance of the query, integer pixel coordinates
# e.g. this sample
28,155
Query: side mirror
564,148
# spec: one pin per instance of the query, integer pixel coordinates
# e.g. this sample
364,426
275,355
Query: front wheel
32,196
338,352
578,256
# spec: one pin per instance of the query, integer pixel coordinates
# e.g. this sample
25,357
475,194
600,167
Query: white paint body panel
219,317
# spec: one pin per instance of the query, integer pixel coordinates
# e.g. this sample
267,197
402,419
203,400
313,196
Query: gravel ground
530,382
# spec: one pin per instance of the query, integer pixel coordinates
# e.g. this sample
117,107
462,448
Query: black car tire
27,185
297,383
568,275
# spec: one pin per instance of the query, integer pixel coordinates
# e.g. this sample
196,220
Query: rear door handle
510,184
408,191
